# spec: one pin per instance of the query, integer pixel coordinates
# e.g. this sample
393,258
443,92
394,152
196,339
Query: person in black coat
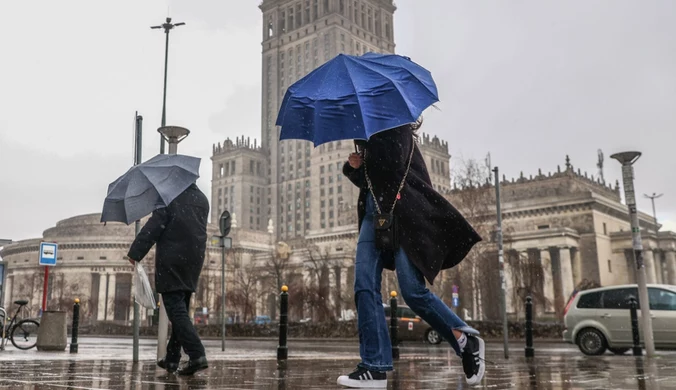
179,232
430,235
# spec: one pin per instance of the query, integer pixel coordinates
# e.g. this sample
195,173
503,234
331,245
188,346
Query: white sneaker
362,378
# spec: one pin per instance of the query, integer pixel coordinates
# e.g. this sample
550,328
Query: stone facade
563,228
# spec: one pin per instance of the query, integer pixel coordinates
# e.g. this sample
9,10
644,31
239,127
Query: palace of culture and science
290,186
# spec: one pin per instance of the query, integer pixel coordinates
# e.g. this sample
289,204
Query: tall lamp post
652,199
225,243
627,159
173,135
501,261
167,26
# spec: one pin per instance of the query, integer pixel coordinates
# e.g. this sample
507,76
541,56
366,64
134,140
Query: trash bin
53,331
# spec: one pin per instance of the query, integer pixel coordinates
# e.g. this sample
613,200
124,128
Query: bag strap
401,185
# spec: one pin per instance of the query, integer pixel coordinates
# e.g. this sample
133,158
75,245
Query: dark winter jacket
180,232
434,235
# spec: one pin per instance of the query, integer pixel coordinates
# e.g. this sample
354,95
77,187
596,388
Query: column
657,255
671,266
567,283
103,296
577,266
111,298
548,279
649,262
509,284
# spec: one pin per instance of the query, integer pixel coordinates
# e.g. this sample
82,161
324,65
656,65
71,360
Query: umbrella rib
403,68
395,84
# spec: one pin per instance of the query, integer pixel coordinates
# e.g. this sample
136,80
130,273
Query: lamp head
173,132
626,158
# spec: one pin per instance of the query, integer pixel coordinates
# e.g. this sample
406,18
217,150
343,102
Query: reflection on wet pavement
441,371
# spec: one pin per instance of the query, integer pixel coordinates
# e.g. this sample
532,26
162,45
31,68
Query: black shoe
473,359
362,378
193,366
165,365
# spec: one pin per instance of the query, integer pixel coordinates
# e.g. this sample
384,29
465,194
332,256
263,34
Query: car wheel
591,342
618,351
432,337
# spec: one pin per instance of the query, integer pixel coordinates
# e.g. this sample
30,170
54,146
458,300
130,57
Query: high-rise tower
306,190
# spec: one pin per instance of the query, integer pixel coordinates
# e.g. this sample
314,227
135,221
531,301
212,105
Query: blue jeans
375,347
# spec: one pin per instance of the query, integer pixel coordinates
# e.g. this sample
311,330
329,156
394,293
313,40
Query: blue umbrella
149,186
353,97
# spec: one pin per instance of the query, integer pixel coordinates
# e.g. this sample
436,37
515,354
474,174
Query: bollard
394,325
530,352
633,305
282,349
76,325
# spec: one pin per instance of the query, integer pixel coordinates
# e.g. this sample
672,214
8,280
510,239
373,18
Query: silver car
599,319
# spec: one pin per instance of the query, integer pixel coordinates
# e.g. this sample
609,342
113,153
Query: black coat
434,235
180,232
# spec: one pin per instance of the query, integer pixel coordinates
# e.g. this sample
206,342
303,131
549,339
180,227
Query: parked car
597,320
261,320
412,327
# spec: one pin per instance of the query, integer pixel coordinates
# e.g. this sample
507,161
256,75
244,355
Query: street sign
455,289
48,253
456,301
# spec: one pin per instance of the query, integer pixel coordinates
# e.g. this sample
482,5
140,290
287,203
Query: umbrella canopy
149,186
353,97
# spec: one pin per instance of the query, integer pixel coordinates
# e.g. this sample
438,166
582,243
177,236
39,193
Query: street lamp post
173,135
627,159
652,199
138,147
225,242
167,26
501,261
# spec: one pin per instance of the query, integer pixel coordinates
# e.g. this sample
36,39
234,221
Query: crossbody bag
386,238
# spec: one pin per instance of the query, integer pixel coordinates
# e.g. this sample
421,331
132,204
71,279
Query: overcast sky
528,81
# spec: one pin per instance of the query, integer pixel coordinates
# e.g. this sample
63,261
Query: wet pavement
106,364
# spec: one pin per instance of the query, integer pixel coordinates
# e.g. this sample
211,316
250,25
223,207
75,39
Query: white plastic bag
143,291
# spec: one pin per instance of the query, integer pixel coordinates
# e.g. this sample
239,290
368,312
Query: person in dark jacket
432,236
179,232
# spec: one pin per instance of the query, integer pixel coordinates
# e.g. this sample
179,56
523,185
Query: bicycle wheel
25,334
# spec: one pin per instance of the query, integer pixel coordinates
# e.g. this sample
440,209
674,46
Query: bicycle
23,333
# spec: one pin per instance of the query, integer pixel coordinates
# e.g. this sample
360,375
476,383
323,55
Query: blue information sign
48,253
456,302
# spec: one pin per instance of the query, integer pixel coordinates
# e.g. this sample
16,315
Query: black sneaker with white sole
473,362
362,378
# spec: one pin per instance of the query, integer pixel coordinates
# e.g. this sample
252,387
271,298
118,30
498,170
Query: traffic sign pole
47,258
44,289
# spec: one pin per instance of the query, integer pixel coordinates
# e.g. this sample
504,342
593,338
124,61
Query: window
605,229
618,298
662,299
326,7
321,169
290,22
270,31
610,266
589,301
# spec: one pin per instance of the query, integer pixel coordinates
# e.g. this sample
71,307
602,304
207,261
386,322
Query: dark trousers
183,333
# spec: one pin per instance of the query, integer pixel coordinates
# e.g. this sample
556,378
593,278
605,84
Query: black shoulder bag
385,223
